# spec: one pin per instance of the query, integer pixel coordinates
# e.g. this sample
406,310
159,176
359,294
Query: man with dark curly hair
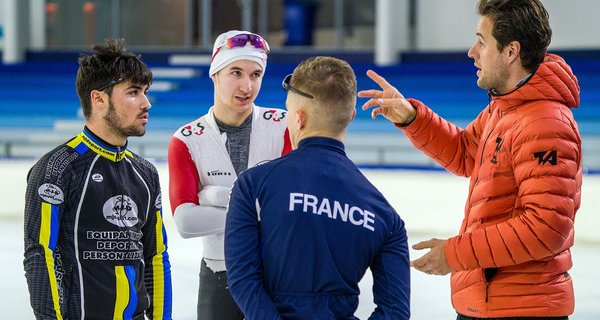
95,243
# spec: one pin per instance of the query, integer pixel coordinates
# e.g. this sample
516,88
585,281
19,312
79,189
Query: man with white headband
207,154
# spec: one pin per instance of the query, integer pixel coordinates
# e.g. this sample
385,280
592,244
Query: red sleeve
287,144
184,182
449,145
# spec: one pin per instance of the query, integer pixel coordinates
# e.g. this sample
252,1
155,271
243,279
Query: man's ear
99,100
214,79
513,50
302,118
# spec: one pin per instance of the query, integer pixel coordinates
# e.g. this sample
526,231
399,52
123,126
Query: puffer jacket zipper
488,274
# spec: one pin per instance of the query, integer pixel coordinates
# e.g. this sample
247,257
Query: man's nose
471,52
246,85
146,105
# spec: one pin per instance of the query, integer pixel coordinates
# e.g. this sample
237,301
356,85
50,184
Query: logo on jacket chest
188,130
498,146
121,211
274,115
215,173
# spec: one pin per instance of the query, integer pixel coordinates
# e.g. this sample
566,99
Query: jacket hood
553,80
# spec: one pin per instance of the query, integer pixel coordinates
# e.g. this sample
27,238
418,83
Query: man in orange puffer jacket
523,155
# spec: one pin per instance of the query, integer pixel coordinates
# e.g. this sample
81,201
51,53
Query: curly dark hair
108,65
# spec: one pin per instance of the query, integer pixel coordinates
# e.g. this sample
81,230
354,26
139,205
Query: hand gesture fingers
388,101
433,262
372,93
421,263
387,90
374,103
425,244
379,79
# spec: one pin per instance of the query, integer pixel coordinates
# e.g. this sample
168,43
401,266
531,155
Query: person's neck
515,80
106,134
231,118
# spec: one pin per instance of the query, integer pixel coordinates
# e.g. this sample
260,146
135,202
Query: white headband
223,56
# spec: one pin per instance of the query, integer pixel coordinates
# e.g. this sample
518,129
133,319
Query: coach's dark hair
525,21
108,63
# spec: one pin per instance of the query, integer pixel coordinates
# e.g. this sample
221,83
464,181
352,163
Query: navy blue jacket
301,232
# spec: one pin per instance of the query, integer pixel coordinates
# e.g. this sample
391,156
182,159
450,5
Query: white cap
223,56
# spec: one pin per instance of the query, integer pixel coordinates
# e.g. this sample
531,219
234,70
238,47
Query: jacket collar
553,80
322,142
87,140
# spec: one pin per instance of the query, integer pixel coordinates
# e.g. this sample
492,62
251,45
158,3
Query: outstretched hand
388,101
433,262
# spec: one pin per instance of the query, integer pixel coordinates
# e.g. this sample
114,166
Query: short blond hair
332,83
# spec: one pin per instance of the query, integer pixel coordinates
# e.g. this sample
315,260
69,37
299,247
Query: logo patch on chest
189,130
274,115
121,211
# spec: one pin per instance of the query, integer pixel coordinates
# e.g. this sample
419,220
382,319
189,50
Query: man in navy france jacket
302,230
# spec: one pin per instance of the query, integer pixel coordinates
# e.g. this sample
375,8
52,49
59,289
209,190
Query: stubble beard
495,80
115,124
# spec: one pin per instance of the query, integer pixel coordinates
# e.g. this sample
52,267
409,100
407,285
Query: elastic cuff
408,122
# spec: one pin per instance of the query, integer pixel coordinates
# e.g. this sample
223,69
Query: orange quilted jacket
523,155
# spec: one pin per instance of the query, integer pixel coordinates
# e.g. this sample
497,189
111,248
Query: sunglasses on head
241,40
288,87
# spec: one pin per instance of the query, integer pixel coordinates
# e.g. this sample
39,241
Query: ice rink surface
430,298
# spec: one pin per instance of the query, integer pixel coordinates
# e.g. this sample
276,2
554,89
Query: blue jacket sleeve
391,276
243,254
